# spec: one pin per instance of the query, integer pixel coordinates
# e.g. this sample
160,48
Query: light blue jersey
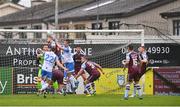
67,55
67,58
49,60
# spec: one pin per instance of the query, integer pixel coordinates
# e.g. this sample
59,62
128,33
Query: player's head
84,59
45,47
78,49
141,48
66,42
130,48
49,39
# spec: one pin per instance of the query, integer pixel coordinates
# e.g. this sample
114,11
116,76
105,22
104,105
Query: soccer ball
50,33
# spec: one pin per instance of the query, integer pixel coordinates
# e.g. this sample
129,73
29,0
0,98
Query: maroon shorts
133,75
57,76
93,77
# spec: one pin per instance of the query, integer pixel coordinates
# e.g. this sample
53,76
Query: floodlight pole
142,38
56,14
97,19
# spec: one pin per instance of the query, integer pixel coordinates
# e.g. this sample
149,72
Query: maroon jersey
77,59
77,62
90,68
58,51
133,59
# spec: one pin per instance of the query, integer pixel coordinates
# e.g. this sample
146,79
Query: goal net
19,68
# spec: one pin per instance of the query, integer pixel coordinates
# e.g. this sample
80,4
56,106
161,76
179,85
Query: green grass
81,100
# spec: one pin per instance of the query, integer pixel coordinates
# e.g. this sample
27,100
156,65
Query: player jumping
50,58
53,44
67,59
132,60
93,70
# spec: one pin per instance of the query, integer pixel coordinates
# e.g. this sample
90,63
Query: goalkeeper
40,61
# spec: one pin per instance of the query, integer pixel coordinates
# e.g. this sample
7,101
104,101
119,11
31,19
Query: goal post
105,47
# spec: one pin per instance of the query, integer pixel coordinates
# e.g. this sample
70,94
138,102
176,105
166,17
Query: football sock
88,88
135,89
93,86
127,91
72,81
139,90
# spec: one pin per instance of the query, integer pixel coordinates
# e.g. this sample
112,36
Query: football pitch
81,100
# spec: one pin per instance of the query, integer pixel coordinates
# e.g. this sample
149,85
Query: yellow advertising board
114,80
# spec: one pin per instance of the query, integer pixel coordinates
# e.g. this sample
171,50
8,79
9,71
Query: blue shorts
69,66
46,74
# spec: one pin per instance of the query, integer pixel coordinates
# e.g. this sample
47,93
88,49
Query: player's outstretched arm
144,61
99,67
66,49
79,73
60,65
60,47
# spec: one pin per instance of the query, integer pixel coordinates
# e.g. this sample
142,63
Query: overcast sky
26,3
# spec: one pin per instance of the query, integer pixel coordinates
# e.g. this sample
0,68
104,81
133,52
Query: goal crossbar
72,31
141,31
